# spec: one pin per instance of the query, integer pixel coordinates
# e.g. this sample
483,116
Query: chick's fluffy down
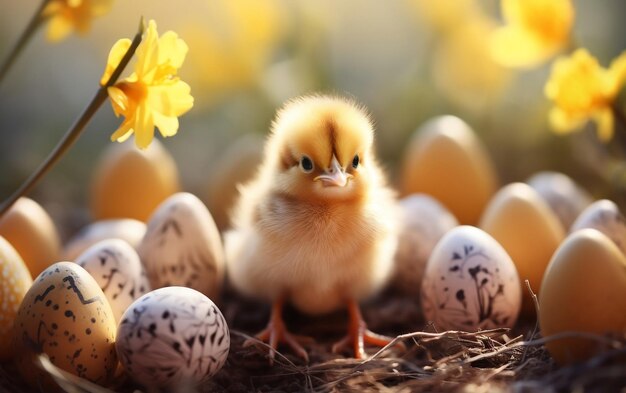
293,236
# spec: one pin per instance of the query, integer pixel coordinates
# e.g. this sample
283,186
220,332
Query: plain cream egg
521,221
583,290
445,159
605,216
31,231
130,183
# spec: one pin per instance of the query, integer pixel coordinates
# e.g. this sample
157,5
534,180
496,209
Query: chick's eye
355,161
306,164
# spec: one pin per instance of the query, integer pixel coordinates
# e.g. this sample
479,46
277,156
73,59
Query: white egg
172,337
127,229
470,283
605,216
118,271
182,246
424,222
566,198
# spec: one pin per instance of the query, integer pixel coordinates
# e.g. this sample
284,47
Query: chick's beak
335,176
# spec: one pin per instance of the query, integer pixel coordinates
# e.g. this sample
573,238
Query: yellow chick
317,227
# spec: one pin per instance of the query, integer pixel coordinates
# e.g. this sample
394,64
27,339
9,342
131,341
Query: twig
536,328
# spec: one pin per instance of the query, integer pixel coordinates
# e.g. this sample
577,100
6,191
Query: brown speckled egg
183,246
131,183
30,230
15,280
446,160
116,267
584,291
127,229
66,316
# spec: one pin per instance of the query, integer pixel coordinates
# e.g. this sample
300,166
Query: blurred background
405,60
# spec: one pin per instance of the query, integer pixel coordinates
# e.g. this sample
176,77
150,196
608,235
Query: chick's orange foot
276,332
358,335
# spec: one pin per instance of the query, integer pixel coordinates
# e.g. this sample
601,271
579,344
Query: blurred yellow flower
535,31
582,90
463,69
231,51
68,15
153,95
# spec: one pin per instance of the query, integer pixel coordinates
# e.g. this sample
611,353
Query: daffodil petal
513,47
147,52
171,99
617,70
119,100
172,50
604,123
563,123
123,132
144,127
58,29
167,125
116,54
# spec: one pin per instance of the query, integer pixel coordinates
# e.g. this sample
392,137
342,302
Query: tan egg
519,219
605,216
15,280
470,283
424,222
116,267
566,198
183,246
130,182
236,166
445,159
30,230
66,316
584,290
127,229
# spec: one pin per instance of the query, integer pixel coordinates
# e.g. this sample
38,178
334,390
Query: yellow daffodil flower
535,31
582,90
68,15
153,95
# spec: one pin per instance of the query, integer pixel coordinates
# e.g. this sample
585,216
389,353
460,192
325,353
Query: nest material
498,360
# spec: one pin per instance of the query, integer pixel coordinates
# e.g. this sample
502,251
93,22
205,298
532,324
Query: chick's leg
276,332
358,334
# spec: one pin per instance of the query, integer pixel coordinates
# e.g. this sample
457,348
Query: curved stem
77,128
34,23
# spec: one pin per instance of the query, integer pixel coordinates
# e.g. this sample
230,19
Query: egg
15,280
182,246
605,216
130,182
236,166
172,337
31,231
583,290
66,316
446,160
470,283
424,222
521,221
116,267
127,229
566,198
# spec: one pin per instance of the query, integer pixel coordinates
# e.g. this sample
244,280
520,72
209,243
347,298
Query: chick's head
320,148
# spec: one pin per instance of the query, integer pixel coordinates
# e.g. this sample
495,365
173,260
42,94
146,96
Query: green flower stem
77,128
36,21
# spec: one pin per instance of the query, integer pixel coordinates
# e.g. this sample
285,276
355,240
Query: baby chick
317,226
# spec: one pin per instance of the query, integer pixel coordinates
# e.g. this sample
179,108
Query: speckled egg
605,216
15,280
470,283
583,290
236,166
520,220
118,271
30,230
127,229
424,222
66,316
183,247
131,183
172,337
445,159
566,198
